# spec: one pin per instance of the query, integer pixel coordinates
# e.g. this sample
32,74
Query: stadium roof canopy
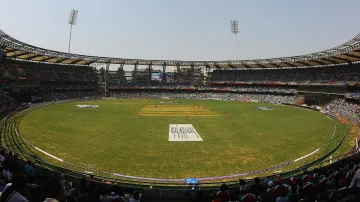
348,52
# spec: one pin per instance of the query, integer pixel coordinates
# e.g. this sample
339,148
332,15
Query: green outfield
131,136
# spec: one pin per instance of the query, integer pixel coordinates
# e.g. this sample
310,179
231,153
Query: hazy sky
183,29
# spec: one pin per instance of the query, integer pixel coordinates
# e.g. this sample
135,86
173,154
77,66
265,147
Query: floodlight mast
72,21
235,31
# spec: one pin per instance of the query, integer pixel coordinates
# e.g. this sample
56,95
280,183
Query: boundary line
42,151
177,180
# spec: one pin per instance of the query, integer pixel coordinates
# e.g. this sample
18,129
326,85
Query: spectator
83,187
29,169
355,182
222,194
2,157
270,185
54,191
256,188
243,187
15,165
248,198
10,157
282,194
16,191
6,173
65,183
104,196
45,175
135,197
294,195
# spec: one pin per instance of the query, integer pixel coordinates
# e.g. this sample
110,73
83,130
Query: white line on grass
52,156
306,155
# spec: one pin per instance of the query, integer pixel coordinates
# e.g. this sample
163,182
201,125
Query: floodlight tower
235,31
72,21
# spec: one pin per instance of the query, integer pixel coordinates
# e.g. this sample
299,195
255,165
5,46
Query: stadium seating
346,109
333,75
46,72
69,95
7,105
205,95
355,95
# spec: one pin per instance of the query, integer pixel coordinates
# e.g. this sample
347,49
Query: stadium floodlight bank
235,31
72,21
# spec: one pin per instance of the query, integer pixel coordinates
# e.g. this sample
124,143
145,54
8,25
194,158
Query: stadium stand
345,74
346,109
355,95
57,96
46,72
7,105
257,89
203,95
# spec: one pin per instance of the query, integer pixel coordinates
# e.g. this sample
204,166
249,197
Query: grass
115,139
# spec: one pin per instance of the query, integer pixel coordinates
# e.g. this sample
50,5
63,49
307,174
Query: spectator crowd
278,99
70,95
335,75
21,182
346,109
338,183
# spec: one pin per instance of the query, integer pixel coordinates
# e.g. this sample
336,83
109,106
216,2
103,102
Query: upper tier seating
336,74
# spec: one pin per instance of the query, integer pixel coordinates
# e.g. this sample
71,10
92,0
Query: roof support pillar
106,75
164,73
150,70
135,72
192,74
178,73
207,70
122,76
